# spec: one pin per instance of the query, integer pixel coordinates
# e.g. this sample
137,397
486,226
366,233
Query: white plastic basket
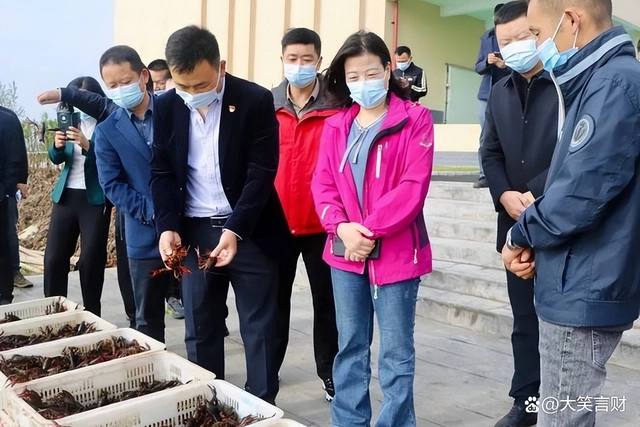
86,385
283,423
84,342
172,407
37,308
73,318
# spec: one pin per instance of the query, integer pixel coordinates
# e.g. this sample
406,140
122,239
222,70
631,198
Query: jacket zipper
379,161
414,232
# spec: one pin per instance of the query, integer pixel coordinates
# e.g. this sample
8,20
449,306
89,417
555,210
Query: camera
67,117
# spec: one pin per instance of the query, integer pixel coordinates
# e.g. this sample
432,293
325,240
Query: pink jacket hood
396,182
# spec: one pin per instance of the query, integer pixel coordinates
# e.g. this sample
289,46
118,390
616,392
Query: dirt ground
35,212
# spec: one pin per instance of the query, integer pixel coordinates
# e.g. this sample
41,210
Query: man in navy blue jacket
123,155
584,229
492,68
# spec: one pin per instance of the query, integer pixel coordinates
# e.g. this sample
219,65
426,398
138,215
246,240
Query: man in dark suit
123,154
213,170
492,68
519,138
13,170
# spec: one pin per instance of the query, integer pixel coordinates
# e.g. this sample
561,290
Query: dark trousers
254,277
124,275
149,295
6,275
71,217
325,332
173,291
14,245
524,339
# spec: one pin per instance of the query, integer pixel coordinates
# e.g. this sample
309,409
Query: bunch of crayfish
46,334
56,307
64,404
20,369
174,262
214,413
8,318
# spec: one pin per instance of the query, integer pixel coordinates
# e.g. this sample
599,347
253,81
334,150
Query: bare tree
9,98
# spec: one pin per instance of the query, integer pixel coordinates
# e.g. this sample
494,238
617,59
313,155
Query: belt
214,221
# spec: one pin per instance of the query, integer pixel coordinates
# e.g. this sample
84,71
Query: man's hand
24,189
168,240
520,262
226,250
492,59
514,203
60,139
50,97
356,240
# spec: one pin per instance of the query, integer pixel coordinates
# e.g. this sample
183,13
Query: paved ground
451,158
462,377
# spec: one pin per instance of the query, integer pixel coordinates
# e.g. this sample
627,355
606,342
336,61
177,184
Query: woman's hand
77,137
60,139
356,240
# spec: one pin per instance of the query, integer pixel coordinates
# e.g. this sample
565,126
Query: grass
438,168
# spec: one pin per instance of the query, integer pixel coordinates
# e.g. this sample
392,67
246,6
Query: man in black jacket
409,72
215,157
13,170
520,135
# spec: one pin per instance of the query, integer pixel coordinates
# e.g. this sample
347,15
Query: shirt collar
314,94
149,109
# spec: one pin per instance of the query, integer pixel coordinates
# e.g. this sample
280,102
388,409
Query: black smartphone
339,248
498,54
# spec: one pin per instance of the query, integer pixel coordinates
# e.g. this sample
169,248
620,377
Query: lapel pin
232,108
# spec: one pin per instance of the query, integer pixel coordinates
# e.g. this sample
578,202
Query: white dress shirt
75,179
205,194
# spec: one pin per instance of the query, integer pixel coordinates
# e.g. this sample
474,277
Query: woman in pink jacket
369,187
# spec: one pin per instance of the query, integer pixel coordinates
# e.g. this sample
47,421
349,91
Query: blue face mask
521,56
159,92
550,56
199,100
129,96
368,93
300,76
402,66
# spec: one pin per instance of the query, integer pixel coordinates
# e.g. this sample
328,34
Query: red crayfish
173,263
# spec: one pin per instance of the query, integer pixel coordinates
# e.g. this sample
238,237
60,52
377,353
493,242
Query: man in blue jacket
584,229
123,155
492,68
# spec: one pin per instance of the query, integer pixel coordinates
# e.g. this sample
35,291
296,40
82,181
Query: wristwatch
510,245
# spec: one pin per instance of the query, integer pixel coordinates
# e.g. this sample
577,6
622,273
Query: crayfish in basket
8,318
46,334
20,368
173,263
214,413
64,404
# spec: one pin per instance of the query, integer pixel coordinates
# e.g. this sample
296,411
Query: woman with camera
80,209
369,187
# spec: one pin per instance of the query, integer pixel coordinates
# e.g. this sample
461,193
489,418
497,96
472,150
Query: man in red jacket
301,109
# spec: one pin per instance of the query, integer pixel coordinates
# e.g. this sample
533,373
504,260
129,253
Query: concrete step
475,231
460,210
484,315
460,191
487,283
482,254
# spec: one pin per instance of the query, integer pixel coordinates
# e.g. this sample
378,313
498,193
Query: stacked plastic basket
87,385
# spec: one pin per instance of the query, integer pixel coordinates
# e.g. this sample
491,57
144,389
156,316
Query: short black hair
87,83
121,54
497,8
189,46
301,36
158,65
510,12
401,50
359,44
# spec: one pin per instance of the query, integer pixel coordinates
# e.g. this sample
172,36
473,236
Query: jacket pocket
565,269
415,241
379,161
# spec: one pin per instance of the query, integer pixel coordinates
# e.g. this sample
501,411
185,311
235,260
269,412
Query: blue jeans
482,111
395,309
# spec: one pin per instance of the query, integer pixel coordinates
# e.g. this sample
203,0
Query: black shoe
329,391
482,183
518,417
